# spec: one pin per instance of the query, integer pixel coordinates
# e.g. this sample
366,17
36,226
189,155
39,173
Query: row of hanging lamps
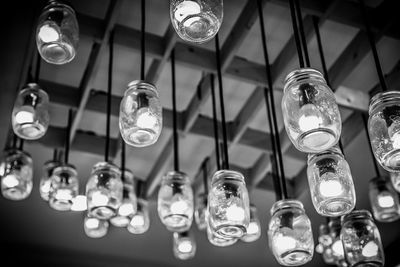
289,231
329,175
140,220
16,172
30,116
57,33
64,179
140,117
228,199
175,196
45,180
184,245
196,21
104,188
201,200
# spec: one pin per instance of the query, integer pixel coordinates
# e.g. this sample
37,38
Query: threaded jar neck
335,150
384,98
303,75
286,204
357,215
139,85
227,175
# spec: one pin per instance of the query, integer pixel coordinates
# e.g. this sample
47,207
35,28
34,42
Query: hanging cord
109,89
270,105
215,123
55,154
21,144
302,33
365,120
123,159
67,137
14,141
371,40
142,41
174,115
323,63
37,69
221,100
296,33
205,172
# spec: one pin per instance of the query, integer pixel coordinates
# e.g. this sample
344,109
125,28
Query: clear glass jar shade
57,33
361,240
200,212
290,234
384,129
384,200
104,191
219,241
16,174
45,180
310,113
228,204
140,221
175,202
331,183
64,187
95,228
184,246
196,21
30,115
140,117
253,231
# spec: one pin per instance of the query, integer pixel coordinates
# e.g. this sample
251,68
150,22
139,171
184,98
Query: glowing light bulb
10,181
394,133
45,186
146,119
370,249
64,194
48,34
310,118
92,223
185,9
125,209
185,246
99,199
253,228
337,247
284,244
79,203
179,207
235,213
330,188
385,200
25,116
137,221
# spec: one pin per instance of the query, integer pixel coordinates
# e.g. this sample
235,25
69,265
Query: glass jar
64,187
30,115
228,204
384,129
196,21
331,184
184,246
310,113
395,178
140,117
140,221
253,231
200,212
129,202
217,240
94,227
384,200
16,174
290,234
361,240
104,190
45,180
57,33
175,202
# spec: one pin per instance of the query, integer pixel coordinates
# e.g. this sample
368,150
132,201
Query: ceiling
31,228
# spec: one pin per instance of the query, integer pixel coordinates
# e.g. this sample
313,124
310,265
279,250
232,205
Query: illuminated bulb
10,181
253,228
394,133
99,199
64,194
92,223
48,34
179,207
137,221
146,119
370,249
337,247
185,246
330,188
319,248
25,116
235,213
310,118
79,203
385,200
186,8
125,209
284,244
45,186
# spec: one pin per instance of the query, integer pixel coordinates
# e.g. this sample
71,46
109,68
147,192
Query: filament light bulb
10,181
235,213
370,249
126,209
47,33
394,133
99,199
179,207
330,188
310,117
337,247
137,220
64,194
284,244
26,115
92,223
79,203
185,246
186,8
253,228
146,119
385,200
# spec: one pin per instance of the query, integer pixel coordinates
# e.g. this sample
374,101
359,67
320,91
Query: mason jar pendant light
253,231
16,172
57,33
104,189
140,220
361,240
289,231
196,21
184,245
228,199
45,180
140,117
94,227
384,200
324,245
201,200
175,197
64,180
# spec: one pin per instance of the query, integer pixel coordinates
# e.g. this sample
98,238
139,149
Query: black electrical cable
371,40
221,100
55,154
296,33
123,159
205,173
302,33
68,136
270,105
21,144
174,115
215,123
37,69
142,41
14,141
376,167
109,89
